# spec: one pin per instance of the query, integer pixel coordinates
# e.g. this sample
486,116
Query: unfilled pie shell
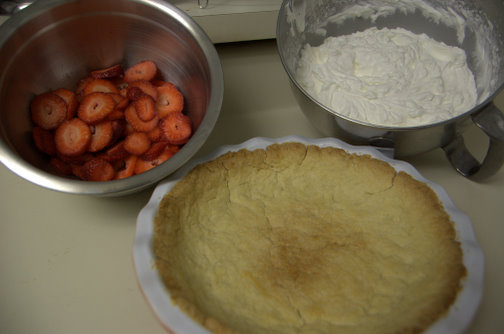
304,239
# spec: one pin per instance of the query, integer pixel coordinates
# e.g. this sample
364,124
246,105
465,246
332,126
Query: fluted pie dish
297,235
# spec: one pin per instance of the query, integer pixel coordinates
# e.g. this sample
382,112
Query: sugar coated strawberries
116,123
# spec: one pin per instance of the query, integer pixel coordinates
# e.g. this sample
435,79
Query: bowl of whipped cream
406,75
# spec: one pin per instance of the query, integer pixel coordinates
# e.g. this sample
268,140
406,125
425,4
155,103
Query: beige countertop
66,261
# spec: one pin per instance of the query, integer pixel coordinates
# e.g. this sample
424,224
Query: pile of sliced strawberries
117,123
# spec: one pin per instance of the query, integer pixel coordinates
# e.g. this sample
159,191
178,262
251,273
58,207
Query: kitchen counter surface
66,260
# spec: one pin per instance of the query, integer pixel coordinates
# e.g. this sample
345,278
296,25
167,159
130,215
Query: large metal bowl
53,43
475,26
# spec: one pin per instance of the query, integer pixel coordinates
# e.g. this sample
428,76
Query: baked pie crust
297,238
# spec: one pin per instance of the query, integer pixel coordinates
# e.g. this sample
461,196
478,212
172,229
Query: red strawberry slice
119,127
145,108
60,167
72,137
134,93
116,152
142,165
128,168
44,140
70,99
131,116
137,143
48,110
79,90
155,134
100,85
97,169
176,128
121,102
145,70
95,107
76,160
169,100
102,135
115,115
158,82
113,71
141,87
154,151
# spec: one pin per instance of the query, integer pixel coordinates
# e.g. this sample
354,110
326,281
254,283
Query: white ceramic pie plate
174,320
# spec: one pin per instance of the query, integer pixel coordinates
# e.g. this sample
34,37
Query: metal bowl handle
491,120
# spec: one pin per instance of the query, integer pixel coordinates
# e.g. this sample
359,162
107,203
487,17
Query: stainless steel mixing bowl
475,26
53,43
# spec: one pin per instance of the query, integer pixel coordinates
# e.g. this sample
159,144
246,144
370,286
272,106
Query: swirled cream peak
388,77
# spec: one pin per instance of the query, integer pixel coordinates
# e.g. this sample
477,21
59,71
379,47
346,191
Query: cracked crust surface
303,239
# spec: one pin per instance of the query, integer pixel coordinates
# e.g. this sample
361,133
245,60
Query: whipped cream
388,77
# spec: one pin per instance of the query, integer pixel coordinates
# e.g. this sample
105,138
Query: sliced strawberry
60,167
115,115
77,171
116,152
128,129
134,93
155,134
113,71
70,99
145,70
137,143
48,110
119,127
100,85
102,135
145,165
121,102
116,164
128,168
136,123
119,83
76,160
72,137
124,92
97,170
173,148
44,140
154,151
157,82
79,91
142,166
176,128
169,100
145,87
145,108
95,107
